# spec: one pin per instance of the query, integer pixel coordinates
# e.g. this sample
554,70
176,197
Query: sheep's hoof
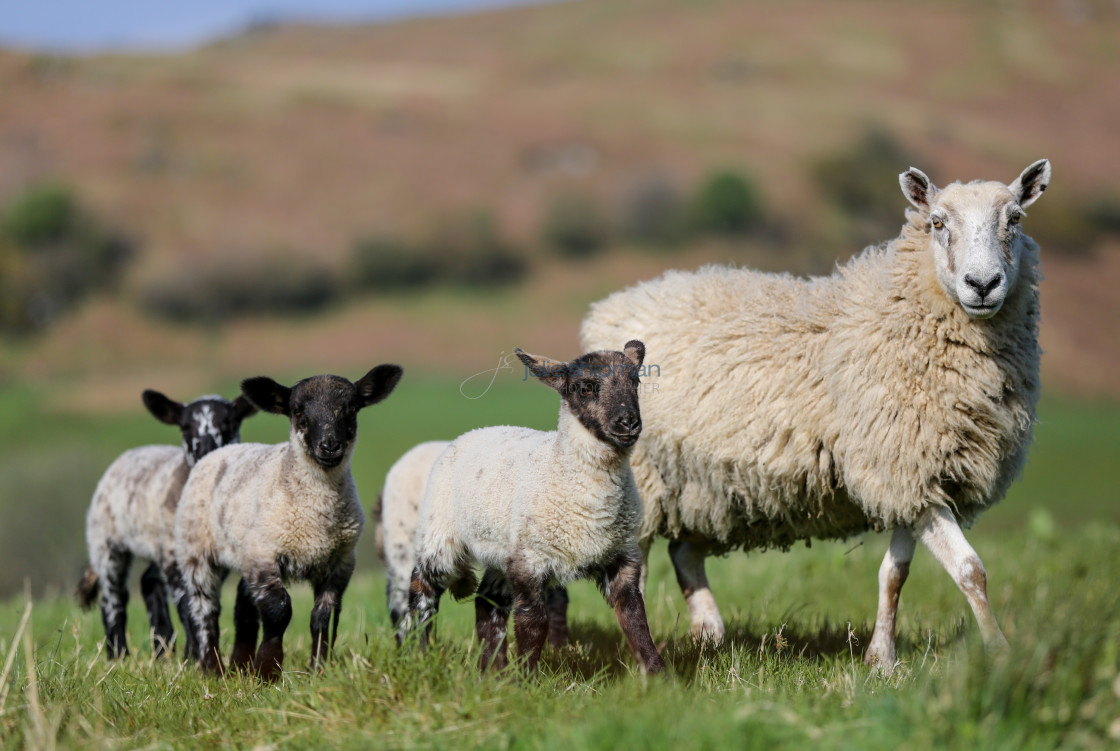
242,657
270,662
708,631
880,660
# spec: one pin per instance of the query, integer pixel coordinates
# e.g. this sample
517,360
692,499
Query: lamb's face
975,234
207,423
323,410
600,389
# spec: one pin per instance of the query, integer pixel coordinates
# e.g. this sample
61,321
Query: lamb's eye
587,389
936,222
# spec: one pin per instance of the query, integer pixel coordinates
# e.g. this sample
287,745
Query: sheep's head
600,389
323,409
974,233
207,423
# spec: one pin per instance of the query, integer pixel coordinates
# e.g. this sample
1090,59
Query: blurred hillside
271,156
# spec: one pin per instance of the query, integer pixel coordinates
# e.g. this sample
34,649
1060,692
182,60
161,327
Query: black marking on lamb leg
114,602
530,618
423,604
491,619
246,625
154,591
275,606
328,605
556,600
623,591
174,577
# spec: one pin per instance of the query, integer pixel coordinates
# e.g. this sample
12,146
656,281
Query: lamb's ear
636,351
243,408
918,188
163,409
550,372
267,395
1029,186
377,384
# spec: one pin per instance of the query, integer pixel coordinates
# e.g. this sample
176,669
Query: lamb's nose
330,446
983,287
630,423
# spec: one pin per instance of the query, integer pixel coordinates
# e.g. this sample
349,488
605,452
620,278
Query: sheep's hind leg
328,605
491,619
424,594
688,561
939,532
113,572
530,618
275,606
154,591
246,627
175,581
556,600
622,587
892,575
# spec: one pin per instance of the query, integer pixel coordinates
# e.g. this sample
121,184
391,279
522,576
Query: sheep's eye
588,389
936,222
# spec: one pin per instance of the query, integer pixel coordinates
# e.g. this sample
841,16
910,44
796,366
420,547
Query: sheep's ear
918,188
636,351
163,409
243,408
1029,186
548,371
377,384
267,395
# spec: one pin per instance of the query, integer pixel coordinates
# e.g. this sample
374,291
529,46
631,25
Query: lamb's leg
892,575
275,606
246,626
623,591
530,618
556,600
174,578
939,532
328,605
112,568
423,603
688,561
204,589
154,590
491,619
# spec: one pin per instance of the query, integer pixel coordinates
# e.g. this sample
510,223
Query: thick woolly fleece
788,409
557,503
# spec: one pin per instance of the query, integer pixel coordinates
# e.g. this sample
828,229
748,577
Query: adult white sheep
897,393
536,508
132,514
278,513
398,513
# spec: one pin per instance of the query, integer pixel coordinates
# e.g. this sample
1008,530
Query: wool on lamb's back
790,409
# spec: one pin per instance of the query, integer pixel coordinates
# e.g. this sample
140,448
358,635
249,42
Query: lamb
278,513
132,514
537,508
398,512
898,393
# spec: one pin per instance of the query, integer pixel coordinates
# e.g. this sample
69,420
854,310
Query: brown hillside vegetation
300,139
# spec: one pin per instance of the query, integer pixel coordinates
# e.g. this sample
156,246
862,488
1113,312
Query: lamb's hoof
708,631
242,657
270,662
880,660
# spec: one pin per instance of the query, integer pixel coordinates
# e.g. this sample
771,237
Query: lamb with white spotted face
538,508
132,514
278,513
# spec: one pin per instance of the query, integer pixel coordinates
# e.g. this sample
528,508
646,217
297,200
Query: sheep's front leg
622,588
328,606
556,600
492,604
530,618
939,532
204,589
892,575
179,596
424,594
275,606
688,562
246,627
154,591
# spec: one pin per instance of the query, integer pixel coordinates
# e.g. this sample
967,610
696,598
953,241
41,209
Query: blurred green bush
574,226
727,203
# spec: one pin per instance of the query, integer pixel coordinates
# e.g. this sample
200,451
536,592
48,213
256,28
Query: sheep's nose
330,446
983,287
630,423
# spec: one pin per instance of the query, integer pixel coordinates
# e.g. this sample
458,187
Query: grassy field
789,673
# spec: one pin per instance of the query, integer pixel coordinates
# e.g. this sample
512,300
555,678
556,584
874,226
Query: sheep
898,393
398,511
277,513
536,508
132,514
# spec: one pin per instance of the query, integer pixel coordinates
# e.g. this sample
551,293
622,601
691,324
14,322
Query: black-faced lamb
537,508
898,393
132,515
278,513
